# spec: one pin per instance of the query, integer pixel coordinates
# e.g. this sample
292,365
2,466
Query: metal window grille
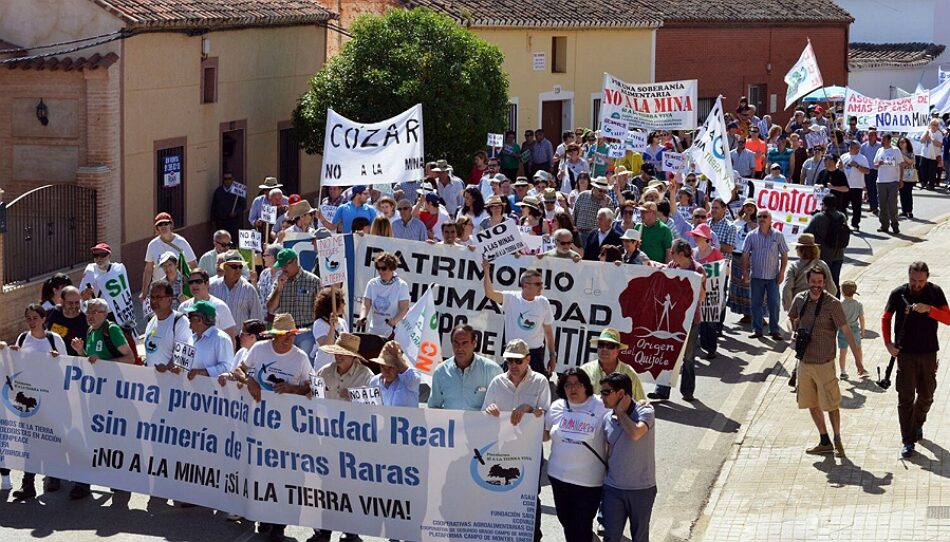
513,117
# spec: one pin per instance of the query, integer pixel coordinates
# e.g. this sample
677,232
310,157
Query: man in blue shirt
398,383
406,226
358,206
461,381
542,153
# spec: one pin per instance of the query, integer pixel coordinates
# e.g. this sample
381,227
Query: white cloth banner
791,205
710,153
940,97
113,287
653,308
898,115
501,240
418,334
715,300
389,151
804,76
669,105
942,75
402,473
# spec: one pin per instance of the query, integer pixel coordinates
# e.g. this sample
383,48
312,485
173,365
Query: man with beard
918,305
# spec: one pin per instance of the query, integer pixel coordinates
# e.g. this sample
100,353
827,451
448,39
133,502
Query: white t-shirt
32,344
160,339
270,368
850,163
157,247
437,228
477,222
932,149
888,171
385,298
525,319
320,329
570,460
223,321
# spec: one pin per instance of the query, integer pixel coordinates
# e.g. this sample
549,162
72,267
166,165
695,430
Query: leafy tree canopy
409,57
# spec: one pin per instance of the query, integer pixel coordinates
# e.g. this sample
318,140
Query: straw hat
609,335
530,201
493,200
231,256
346,344
270,182
806,240
284,324
631,235
299,209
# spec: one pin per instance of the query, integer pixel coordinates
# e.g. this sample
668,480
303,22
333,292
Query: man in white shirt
165,328
887,160
528,316
855,167
199,283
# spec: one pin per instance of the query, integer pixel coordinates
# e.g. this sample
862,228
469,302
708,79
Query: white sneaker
5,483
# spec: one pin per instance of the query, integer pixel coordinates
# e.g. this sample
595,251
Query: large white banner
669,105
390,151
710,153
804,76
653,308
903,114
405,473
113,287
791,205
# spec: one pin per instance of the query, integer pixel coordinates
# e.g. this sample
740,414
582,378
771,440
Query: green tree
409,57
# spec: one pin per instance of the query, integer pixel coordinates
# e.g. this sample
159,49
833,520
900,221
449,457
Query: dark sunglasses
196,281
608,346
604,392
382,268
100,254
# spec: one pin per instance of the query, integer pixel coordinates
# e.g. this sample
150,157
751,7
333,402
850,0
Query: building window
595,114
170,179
512,118
705,106
209,80
559,54
756,94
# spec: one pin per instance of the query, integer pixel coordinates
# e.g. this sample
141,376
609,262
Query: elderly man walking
764,259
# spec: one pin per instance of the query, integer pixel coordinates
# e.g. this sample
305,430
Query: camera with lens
802,338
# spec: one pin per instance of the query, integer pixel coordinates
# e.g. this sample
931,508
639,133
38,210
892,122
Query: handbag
910,175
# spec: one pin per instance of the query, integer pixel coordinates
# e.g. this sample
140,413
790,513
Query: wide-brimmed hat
516,349
231,256
609,335
270,182
441,165
599,182
749,201
346,344
494,200
530,201
284,324
621,170
167,255
632,234
647,206
806,240
549,194
657,183
388,360
521,181
542,175
299,209
703,230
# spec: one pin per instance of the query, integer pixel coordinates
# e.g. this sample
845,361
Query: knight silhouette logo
20,397
496,471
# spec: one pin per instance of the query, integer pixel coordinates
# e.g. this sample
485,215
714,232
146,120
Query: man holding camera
817,317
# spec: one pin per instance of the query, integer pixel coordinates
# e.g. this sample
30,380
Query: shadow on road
698,416
849,474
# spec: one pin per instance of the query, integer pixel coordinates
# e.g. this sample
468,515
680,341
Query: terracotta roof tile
94,62
544,13
216,13
714,12
892,55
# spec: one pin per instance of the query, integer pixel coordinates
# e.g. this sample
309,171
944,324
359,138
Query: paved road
693,441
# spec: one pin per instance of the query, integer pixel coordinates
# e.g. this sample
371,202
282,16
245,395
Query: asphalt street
693,440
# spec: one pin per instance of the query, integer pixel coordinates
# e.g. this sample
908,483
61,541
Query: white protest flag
940,97
418,334
389,151
804,76
711,156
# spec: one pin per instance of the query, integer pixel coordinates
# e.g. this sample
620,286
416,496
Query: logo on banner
658,305
496,471
21,398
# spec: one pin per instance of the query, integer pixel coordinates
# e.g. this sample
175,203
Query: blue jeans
621,505
305,342
762,288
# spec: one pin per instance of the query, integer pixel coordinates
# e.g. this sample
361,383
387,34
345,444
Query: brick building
105,94
746,48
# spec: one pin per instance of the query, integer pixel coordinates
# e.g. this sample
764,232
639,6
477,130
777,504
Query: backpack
839,234
129,338
49,337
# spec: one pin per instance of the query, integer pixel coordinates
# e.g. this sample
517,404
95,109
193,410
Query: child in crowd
854,312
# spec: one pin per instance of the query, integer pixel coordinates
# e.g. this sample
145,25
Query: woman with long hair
381,226
564,221
583,184
329,321
908,177
50,294
496,212
533,217
473,206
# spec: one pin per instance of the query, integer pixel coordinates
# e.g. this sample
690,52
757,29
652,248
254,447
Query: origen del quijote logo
496,471
20,397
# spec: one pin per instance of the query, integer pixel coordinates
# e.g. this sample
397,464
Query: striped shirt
765,252
242,299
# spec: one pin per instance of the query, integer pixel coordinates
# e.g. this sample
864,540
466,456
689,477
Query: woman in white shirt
323,332
386,297
576,466
932,147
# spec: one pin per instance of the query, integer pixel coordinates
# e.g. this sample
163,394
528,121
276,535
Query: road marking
685,482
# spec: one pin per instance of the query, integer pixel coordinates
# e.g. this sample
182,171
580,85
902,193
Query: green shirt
95,346
596,373
511,156
655,240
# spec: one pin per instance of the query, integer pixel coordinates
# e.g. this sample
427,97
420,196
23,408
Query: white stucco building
896,44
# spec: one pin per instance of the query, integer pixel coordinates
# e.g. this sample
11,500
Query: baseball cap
102,247
203,307
284,257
